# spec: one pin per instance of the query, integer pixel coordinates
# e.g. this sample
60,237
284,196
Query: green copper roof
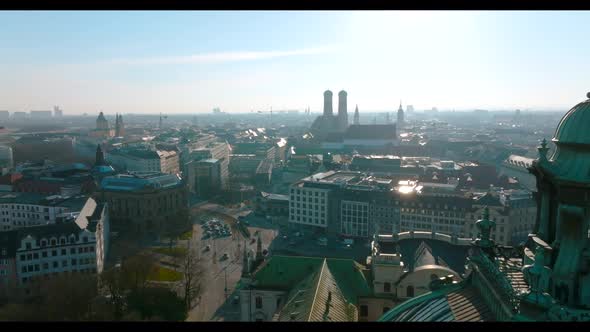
571,158
318,298
574,126
283,272
459,302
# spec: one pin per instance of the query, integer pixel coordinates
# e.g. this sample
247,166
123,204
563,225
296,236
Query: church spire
355,120
99,156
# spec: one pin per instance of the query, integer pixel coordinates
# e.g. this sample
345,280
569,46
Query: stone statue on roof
538,276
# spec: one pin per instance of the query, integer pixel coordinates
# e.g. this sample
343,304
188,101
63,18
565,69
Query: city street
219,273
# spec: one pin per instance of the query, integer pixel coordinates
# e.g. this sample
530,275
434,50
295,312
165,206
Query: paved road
214,294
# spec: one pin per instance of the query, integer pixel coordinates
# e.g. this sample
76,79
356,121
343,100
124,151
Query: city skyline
150,62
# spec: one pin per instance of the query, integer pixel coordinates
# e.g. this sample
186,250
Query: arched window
410,291
53,242
43,243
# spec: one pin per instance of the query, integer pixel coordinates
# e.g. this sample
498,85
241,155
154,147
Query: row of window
434,213
53,242
22,207
309,200
311,206
55,264
54,253
308,193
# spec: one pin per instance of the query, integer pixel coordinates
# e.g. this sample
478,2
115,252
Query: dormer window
43,243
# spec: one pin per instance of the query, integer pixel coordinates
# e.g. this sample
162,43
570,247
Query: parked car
224,257
207,248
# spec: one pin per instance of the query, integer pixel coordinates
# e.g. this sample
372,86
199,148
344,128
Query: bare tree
113,285
135,271
192,269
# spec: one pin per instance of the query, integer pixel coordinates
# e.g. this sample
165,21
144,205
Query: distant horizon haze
191,62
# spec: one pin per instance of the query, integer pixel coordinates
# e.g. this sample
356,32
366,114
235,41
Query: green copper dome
574,127
571,158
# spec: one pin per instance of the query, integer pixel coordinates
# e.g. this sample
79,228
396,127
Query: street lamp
225,289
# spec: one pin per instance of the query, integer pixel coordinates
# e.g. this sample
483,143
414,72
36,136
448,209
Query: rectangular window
364,310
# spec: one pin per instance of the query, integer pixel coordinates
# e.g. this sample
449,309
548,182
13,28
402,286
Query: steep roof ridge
297,294
423,253
317,287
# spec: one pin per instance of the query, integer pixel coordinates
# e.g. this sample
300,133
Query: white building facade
308,206
79,245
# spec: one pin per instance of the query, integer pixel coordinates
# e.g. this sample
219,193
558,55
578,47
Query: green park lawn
174,251
160,273
186,235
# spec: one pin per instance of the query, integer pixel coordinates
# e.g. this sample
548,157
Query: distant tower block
342,110
355,120
328,103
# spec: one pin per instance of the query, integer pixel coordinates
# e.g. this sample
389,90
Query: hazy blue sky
188,62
